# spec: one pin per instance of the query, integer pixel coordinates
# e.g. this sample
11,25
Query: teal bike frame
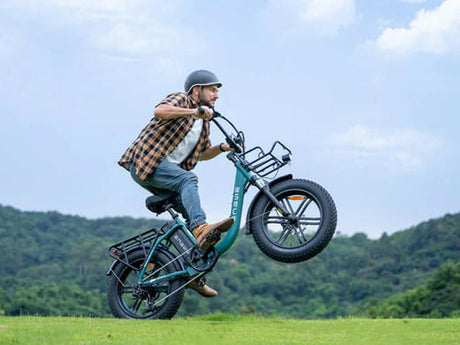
246,173
242,178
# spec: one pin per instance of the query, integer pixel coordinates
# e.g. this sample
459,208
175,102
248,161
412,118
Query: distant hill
54,264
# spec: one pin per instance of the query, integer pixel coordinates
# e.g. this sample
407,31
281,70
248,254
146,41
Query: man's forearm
214,151
210,153
169,112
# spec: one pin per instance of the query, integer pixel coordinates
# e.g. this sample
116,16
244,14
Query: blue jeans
169,177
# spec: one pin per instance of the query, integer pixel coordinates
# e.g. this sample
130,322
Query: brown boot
208,234
202,289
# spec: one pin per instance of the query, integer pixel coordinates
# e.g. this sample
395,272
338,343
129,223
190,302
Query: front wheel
306,233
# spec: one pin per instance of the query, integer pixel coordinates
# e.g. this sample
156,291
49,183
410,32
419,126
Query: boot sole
201,291
226,226
211,239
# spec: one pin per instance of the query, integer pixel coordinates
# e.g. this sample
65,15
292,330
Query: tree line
55,264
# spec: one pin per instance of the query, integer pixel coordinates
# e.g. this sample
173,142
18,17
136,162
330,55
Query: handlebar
237,145
214,113
258,161
230,140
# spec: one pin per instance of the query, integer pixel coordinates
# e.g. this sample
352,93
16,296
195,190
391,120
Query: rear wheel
306,233
127,299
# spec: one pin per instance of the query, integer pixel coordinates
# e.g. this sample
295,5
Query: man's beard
205,102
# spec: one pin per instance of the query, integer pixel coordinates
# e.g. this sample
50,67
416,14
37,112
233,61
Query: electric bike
290,219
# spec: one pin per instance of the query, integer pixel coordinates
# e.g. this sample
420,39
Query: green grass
224,329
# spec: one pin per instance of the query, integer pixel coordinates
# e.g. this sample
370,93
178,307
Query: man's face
209,95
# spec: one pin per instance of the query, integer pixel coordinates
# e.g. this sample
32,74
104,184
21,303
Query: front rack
263,163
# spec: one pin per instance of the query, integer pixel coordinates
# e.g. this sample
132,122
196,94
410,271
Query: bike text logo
179,242
236,197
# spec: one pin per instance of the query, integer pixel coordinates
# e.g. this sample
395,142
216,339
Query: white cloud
436,31
119,27
408,148
320,17
331,15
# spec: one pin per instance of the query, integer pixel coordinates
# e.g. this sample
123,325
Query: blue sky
364,93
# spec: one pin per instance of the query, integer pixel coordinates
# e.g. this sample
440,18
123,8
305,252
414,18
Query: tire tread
313,247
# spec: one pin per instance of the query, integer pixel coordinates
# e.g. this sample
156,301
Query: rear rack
266,163
119,251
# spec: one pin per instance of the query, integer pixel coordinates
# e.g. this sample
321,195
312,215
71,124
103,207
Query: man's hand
225,147
204,112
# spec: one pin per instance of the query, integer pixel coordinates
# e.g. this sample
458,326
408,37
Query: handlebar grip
234,145
214,113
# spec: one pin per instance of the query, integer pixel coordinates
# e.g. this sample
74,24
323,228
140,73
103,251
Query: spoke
310,221
136,305
289,206
303,206
276,220
299,233
303,234
284,235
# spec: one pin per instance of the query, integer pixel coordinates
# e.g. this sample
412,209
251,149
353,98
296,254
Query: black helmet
201,77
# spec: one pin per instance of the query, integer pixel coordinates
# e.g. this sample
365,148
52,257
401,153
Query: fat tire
114,287
319,240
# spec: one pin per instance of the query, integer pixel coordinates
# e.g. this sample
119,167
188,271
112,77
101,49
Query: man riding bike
171,144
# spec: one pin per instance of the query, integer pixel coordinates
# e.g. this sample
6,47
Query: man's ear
196,91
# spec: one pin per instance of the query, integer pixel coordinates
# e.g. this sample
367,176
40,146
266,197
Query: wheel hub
139,292
293,220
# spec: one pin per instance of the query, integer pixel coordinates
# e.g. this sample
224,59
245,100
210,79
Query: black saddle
160,203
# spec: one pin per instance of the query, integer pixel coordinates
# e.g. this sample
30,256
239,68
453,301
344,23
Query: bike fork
265,189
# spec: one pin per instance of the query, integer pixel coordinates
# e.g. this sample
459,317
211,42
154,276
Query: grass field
225,329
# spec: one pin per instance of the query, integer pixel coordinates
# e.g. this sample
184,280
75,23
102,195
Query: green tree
61,260
440,297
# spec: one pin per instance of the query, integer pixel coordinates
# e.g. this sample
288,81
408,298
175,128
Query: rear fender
146,248
249,215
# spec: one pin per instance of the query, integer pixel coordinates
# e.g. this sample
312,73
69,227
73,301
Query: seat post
169,208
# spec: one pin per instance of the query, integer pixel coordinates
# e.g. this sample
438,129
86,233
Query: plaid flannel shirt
160,137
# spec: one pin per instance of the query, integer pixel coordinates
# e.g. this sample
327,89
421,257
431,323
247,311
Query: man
161,157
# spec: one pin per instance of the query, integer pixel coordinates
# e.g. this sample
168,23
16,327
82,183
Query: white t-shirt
187,144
